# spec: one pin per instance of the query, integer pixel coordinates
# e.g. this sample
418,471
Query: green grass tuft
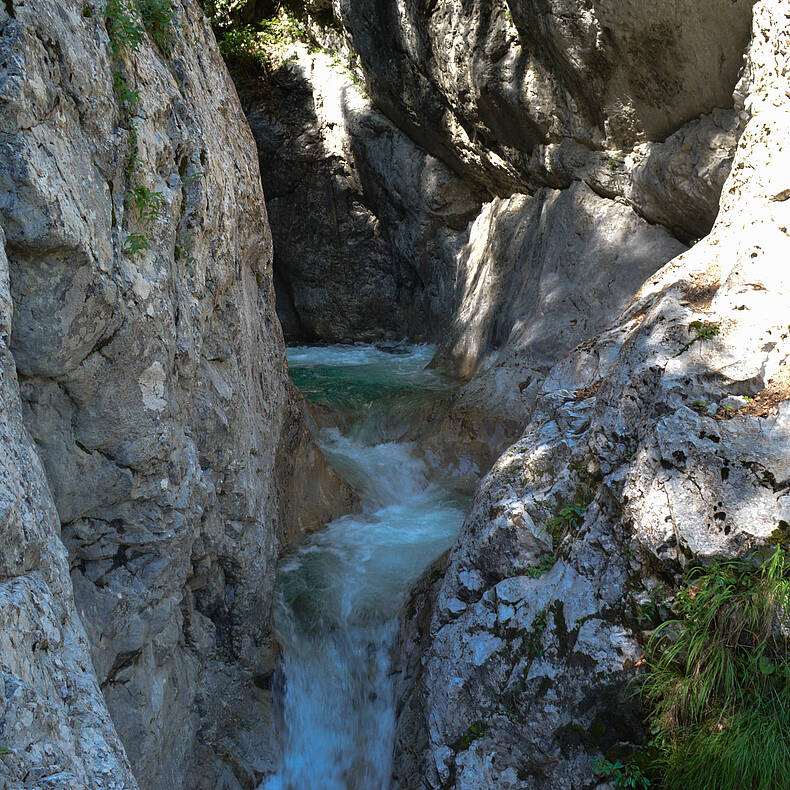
704,330
718,680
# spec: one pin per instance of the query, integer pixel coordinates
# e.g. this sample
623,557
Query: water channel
339,593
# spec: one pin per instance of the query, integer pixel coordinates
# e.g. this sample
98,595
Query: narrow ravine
339,593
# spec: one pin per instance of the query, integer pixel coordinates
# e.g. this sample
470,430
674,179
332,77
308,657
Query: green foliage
281,30
128,20
123,26
128,99
533,643
123,20
244,51
704,330
478,730
149,205
222,13
132,155
568,519
252,51
136,244
159,18
545,564
718,680
569,516
193,177
5,750
648,611
622,777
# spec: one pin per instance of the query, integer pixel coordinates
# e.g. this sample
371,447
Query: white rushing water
338,595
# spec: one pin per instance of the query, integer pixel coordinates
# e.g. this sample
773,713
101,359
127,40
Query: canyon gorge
531,261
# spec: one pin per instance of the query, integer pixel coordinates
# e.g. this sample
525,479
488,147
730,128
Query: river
339,593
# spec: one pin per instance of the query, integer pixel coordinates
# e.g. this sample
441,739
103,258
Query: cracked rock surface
515,669
154,394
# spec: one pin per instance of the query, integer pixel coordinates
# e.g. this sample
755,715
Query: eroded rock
521,681
154,386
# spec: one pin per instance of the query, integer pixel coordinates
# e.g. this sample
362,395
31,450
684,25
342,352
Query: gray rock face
539,275
510,93
52,715
155,389
514,671
365,223
371,233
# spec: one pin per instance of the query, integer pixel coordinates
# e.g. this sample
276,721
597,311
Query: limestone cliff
643,369
525,183
139,320
366,224
671,428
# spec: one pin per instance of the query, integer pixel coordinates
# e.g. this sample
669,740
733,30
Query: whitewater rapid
339,593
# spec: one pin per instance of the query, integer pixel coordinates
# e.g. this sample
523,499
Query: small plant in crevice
703,330
627,776
544,565
477,730
136,244
128,98
128,20
149,205
532,644
718,680
132,156
124,26
159,18
649,611
192,178
569,516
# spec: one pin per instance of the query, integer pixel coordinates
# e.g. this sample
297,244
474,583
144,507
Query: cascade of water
339,593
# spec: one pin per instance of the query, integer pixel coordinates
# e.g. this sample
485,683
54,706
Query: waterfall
339,593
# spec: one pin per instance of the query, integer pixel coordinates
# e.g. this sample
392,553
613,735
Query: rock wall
366,224
154,387
519,646
571,133
376,238
52,714
516,94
